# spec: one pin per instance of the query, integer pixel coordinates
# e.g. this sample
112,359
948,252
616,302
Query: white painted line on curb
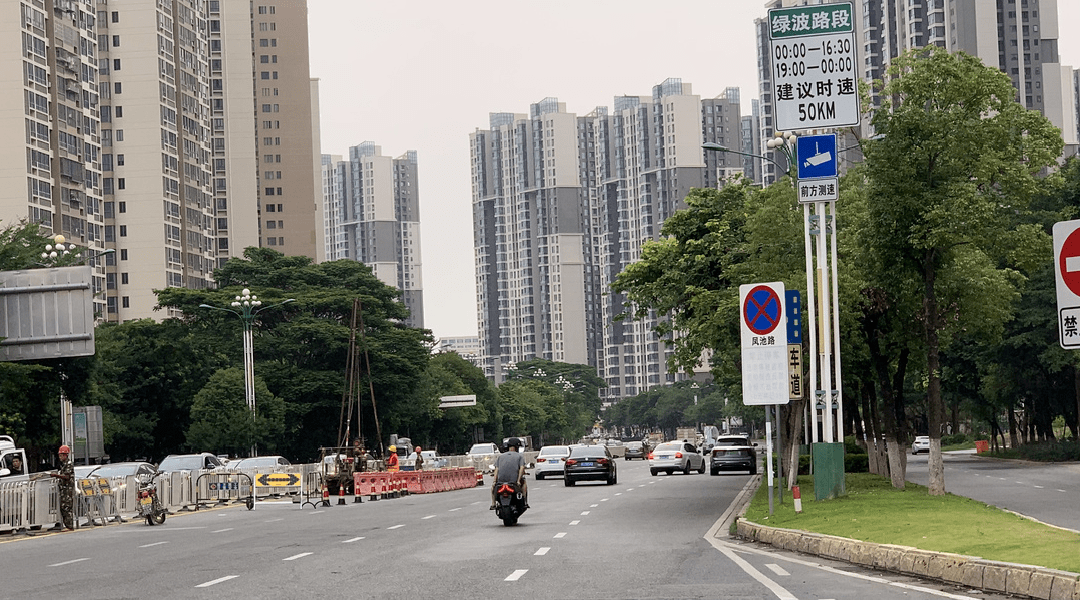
70,562
777,569
296,556
355,539
541,552
154,544
516,575
561,534
574,522
396,526
217,581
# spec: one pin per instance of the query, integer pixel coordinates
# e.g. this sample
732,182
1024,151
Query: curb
968,571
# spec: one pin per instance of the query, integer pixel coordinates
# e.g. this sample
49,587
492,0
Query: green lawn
874,511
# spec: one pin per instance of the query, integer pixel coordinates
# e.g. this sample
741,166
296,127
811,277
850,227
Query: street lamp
60,248
247,306
783,143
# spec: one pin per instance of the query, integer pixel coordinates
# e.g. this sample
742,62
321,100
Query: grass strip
874,511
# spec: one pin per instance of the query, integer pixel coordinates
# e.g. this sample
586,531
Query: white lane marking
584,512
603,499
222,530
1039,487
1001,478
574,522
396,526
541,552
429,517
593,505
777,569
1020,482
516,575
774,587
154,544
355,539
453,509
618,493
273,520
1063,491
296,556
561,534
217,581
70,562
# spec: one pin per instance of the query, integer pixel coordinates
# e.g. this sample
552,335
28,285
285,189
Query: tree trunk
936,408
1013,440
792,421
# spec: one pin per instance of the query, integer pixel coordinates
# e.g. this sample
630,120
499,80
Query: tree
222,422
956,155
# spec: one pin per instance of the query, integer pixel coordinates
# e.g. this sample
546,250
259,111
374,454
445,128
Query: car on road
636,450
482,456
550,461
676,456
591,462
733,452
921,444
258,463
203,461
141,470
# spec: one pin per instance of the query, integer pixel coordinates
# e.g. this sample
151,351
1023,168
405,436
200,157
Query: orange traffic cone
325,495
341,495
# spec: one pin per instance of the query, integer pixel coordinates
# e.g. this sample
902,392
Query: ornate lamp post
783,143
247,306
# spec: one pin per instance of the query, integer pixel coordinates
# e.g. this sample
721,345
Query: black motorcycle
149,507
509,503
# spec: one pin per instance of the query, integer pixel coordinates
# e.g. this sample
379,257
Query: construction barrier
982,446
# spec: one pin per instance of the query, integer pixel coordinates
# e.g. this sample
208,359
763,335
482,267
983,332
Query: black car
589,463
733,452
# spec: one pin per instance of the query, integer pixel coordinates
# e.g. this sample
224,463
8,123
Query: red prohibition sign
761,310
1070,249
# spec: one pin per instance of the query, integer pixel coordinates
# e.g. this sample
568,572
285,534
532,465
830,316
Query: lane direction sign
764,333
277,479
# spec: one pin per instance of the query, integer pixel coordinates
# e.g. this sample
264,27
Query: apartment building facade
563,203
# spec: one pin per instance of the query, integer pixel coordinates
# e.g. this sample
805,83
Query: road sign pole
811,312
823,307
839,387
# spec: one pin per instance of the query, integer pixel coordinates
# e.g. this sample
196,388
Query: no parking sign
763,323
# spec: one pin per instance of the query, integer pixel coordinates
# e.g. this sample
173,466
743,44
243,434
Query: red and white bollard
325,495
341,495
798,498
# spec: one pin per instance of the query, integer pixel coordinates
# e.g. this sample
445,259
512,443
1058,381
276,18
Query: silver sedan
676,456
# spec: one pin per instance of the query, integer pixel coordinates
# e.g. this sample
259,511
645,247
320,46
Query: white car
676,456
921,444
482,456
431,460
551,460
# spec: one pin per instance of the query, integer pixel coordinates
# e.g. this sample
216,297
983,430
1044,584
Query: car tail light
570,461
678,455
602,461
541,460
650,456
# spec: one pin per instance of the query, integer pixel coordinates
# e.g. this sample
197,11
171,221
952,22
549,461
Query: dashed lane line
222,530
428,517
561,534
296,556
453,509
516,575
351,540
574,522
584,513
69,562
593,505
396,526
154,544
541,552
216,581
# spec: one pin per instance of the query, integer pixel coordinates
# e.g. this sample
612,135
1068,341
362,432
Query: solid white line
273,520
541,552
774,587
560,534
574,522
516,575
296,556
70,562
355,539
222,530
584,512
217,581
429,517
777,569
396,526
154,544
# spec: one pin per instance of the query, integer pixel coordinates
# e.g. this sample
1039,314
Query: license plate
554,461
145,501
587,464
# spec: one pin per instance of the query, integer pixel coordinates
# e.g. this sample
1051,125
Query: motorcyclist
510,468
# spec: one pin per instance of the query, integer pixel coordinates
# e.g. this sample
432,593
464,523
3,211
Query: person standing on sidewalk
66,487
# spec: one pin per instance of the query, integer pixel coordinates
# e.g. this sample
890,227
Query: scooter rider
510,468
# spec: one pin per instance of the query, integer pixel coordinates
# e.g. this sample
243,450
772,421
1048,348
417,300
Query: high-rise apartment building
372,215
562,204
49,89
286,128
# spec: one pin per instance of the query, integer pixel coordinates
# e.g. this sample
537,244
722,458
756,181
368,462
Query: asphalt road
1047,492
645,537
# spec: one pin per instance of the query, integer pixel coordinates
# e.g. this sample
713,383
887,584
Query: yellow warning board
277,479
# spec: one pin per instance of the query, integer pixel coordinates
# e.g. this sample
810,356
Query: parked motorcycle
509,503
149,507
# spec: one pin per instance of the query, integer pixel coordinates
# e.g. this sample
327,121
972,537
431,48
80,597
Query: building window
126,302
116,41
124,278
121,184
123,231
123,254
122,206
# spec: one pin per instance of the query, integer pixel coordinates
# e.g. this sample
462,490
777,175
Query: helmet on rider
513,443
418,449
65,449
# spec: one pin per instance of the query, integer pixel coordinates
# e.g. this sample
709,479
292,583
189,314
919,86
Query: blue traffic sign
817,156
762,311
793,308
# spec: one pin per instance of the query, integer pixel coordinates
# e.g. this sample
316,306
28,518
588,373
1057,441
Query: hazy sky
423,75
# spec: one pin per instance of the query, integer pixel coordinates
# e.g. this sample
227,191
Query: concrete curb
968,571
